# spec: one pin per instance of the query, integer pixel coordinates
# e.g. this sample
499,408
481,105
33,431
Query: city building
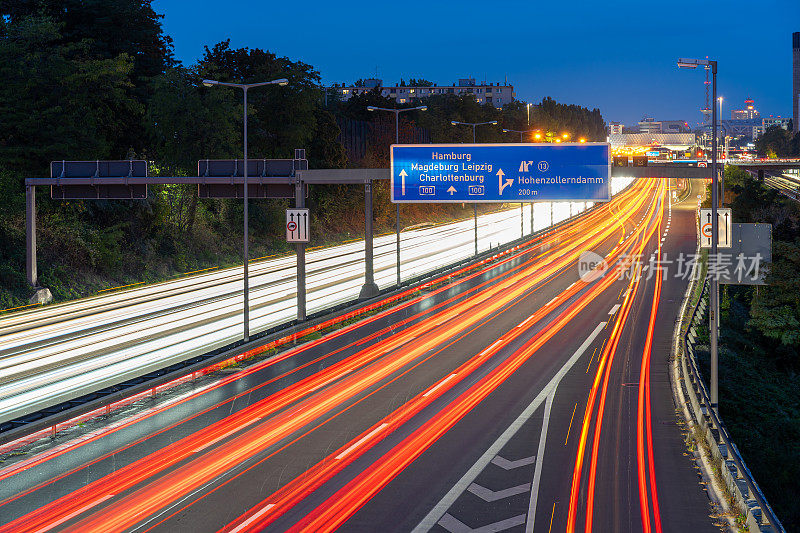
649,125
781,122
496,94
749,112
795,80
615,128
670,141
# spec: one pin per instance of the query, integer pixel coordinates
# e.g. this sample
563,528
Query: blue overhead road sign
435,173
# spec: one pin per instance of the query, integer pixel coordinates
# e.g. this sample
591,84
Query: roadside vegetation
98,80
759,354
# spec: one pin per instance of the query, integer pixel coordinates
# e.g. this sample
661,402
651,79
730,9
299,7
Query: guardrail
733,470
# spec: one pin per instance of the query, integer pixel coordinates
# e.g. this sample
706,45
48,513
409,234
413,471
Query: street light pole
397,141
474,205
713,318
245,248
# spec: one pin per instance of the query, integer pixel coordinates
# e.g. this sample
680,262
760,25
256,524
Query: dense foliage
98,80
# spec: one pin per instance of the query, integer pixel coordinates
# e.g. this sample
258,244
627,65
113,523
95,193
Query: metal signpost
500,173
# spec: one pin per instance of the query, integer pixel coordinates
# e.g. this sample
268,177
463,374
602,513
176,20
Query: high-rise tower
795,80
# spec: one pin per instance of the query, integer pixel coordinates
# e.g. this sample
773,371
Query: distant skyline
618,56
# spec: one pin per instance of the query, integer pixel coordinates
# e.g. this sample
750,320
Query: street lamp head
423,108
506,131
371,108
210,83
453,122
282,82
493,122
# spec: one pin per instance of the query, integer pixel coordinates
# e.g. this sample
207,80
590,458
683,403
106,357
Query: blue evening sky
616,55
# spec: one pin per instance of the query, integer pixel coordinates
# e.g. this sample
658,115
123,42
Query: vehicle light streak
344,503
604,370
307,487
256,439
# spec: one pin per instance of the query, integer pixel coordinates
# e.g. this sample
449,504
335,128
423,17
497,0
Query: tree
777,142
281,118
115,27
57,100
186,122
775,309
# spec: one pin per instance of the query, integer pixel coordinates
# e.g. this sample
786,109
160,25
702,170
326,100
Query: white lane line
361,441
454,525
522,324
73,514
438,385
252,519
224,435
505,464
613,309
551,301
537,474
444,504
489,495
492,346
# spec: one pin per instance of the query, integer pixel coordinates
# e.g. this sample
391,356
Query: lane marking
438,385
486,350
505,464
227,434
454,525
440,509
537,474
570,422
552,514
361,441
73,514
489,495
522,324
613,309
252,519
551,301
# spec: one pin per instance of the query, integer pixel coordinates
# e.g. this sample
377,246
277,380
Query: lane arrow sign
451,190
403,181
500,183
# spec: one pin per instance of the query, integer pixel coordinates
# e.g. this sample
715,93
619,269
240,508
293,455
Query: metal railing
734,471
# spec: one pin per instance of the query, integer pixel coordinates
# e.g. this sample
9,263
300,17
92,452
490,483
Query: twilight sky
616,55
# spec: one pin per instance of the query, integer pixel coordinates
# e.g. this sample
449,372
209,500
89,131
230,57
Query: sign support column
300,201
30,235
370,288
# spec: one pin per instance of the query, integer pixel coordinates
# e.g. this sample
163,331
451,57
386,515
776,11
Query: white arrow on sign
500,183
451,190
403,181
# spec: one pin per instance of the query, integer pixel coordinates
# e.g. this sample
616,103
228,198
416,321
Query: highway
515,396
57,353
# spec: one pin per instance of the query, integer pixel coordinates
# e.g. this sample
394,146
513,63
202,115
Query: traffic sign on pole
436,173
297,225
724,223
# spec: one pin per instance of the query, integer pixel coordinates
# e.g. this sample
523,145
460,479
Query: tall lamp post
474,206
397,141
245,251
714,313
